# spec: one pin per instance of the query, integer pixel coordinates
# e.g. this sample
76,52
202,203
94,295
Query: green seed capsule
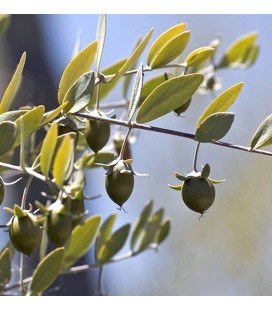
198,194
25,233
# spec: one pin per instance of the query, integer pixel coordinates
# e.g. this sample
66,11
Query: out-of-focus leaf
252,56
4,22
80,93
151,230
198,56
136,93
48,148
89,160
11,115
32,120
222,102
46,272
50,116
104,233
63,159
263,135
8,133
163,232
214,127
81,240
168,96
100,37
171,50
140,224
163,39
13,86
5,267
113,244
237,53
79,65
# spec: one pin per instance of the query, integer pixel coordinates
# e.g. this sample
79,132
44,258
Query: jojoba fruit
25,233
198,194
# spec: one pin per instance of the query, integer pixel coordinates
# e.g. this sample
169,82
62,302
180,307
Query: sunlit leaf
5,267
46,272
48,148
80,240
171,50
222,103
214,127
263,135
168,96
100,37
8,133
50,116
13,86
198,56
136,93
163,39
79,65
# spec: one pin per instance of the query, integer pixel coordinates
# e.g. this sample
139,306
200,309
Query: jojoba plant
77,139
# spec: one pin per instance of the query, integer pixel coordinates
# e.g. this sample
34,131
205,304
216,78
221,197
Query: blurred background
228,252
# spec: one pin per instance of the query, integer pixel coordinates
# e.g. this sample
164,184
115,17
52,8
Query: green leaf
198,56
46,272
89,160
237,53
263,135
151,84
80,241
163,231
32,120
5,267
221,103
171,50
113,244
252,56
11,115
4,22
163,39
214,127
80,93
79,65
136,93
63,159
104,233
48,148
51,115
168,96
131,61
100,37
140,224
151,230
13,86
8,133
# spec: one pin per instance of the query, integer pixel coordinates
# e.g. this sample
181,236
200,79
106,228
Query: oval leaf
263,135
113,244
198,56
171,50
46,272
90,161
11,115
168,96
222,103
48,148
13,86
80,241
214,127
5,267
79,65
163,39
8,133
100,37
163,232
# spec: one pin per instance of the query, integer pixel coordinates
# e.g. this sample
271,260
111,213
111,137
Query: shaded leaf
11,115
113,244
163,231
222,103
263,135
46,272
13,86
80,240
141,224
89,160
79,65
4,22
50,116
63,159
136,93
214,127
5,267
48,148
171,50
80,93
8,133
237,53
104,233
163,39
198,56
168,96
100,38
